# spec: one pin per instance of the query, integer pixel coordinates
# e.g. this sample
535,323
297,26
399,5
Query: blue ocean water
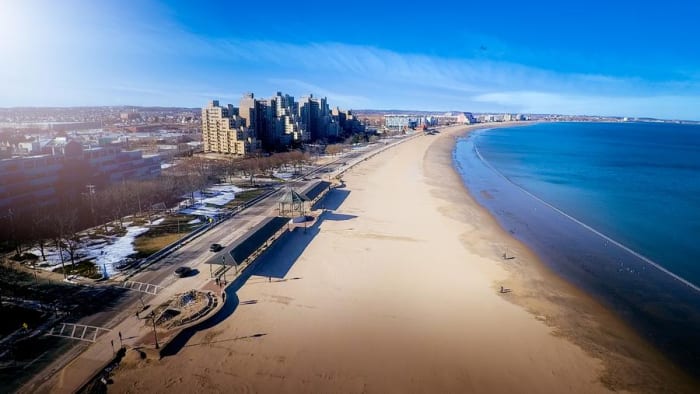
638,183
614,208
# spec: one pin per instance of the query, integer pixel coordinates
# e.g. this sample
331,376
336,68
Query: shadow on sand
275,262
281,256
333,200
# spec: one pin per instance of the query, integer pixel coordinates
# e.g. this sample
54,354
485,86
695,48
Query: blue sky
626,59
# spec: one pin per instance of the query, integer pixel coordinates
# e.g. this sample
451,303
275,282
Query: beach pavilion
292,202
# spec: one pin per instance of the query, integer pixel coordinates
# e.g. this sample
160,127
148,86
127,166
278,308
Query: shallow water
592,207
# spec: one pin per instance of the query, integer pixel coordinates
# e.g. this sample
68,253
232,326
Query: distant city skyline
625,59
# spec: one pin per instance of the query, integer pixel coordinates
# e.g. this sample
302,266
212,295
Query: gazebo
292,202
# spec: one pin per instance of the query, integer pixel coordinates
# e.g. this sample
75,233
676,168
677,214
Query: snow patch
209,201
107,256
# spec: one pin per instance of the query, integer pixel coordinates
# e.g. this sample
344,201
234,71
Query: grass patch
245,196
172,225
168,231
146,245
87,269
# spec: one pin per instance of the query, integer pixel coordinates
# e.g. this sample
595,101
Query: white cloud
335,98
147,58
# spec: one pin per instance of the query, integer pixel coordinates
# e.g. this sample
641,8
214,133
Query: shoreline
393,289
633,362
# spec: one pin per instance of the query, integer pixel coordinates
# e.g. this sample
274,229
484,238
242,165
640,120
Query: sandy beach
396,289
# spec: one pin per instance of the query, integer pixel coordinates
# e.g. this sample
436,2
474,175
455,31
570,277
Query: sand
396,289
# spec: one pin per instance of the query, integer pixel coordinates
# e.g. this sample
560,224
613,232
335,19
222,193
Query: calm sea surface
612,207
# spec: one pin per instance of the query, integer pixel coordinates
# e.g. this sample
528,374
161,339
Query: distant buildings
129,116
272,124
456,118
488,118
41,180
402,122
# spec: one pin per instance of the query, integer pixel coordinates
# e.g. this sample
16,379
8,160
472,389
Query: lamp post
223,262
155,334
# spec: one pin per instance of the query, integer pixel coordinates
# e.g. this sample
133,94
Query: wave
586,226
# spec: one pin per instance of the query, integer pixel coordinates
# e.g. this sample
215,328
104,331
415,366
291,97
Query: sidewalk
133,332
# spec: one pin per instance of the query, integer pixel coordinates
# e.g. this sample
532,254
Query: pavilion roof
292,197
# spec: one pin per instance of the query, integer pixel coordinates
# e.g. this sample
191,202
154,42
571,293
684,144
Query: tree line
81,207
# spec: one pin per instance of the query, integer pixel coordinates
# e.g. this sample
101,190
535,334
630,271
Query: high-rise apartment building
313,112
273,124
225,131
247,110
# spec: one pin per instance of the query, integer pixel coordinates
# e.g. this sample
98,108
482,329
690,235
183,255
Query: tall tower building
247,110
314,115
224,131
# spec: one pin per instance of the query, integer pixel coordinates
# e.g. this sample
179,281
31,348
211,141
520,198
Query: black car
215,247
183,272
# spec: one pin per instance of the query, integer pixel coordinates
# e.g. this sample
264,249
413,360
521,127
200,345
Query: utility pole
60,253
91,197
11,215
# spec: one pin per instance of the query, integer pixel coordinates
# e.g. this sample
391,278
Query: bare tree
41,230
64,224
334,149
250,167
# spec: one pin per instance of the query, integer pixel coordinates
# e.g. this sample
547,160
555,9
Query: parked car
215,247
183,271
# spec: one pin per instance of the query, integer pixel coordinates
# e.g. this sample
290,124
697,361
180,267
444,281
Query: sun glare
14,20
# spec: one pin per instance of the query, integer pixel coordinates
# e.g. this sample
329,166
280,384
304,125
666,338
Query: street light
155,334
223,262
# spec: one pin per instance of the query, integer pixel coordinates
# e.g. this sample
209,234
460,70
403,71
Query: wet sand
396,289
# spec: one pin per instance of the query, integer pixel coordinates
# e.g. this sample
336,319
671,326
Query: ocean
614,208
